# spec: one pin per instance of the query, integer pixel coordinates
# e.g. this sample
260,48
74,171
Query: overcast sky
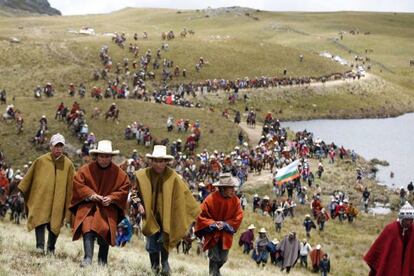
71,7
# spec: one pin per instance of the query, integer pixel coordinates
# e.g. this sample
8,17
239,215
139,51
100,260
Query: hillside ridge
32,6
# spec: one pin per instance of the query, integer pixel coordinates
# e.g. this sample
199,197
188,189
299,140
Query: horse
251,119
96,113
183,33
4,205
17,207
3,96
186,242
19,123
112,114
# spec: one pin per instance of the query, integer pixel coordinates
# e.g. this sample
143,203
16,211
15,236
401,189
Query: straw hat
275,241
262,230
266,197
318,247
160,152
105,147
251,226
226,180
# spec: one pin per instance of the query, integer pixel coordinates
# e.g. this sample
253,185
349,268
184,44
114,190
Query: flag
288,173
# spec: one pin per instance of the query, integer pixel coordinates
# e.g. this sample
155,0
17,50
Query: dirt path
255,180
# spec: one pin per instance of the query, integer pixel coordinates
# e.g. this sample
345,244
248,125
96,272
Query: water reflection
387,139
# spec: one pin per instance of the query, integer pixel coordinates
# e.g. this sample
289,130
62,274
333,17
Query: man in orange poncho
316,256
100,191
221,216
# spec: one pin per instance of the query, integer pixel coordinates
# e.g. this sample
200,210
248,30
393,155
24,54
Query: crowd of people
186,189
202,171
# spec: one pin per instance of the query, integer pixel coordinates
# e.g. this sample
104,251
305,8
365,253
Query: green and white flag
288,173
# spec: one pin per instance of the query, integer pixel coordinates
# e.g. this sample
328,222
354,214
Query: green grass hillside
236,42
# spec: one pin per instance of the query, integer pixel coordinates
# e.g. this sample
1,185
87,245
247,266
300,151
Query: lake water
389,139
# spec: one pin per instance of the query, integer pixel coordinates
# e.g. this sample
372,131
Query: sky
76,7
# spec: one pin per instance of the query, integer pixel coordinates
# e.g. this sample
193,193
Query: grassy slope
49,53
346,246
235,46
345,243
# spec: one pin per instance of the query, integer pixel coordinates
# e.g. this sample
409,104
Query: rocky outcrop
32,6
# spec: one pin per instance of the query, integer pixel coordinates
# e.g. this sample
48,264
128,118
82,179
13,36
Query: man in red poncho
100,191
393,251
221,216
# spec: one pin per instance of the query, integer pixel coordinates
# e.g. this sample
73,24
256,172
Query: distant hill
31,6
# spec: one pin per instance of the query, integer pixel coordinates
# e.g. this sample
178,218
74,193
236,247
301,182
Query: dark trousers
88,246
246,248
40,238
156,250
304,260
217,258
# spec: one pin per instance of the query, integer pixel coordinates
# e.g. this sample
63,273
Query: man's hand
220,225
96,198
141,209
106,201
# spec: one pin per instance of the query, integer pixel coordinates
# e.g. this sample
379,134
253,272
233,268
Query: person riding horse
49,90
71,89
19,123
112,112
3,96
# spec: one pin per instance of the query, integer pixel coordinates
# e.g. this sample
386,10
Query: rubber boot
103,254
88,243
40,239
155,262
166,271
51,242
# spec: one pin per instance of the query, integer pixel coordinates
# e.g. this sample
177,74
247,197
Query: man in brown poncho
100,191
289,250
47,190
168,207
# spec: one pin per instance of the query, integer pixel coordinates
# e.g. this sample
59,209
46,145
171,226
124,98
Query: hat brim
167,157
234,184
96,151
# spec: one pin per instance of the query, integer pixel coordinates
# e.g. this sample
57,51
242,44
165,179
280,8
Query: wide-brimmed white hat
318,247
159,152
104,147
251,226
226,180
262,230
